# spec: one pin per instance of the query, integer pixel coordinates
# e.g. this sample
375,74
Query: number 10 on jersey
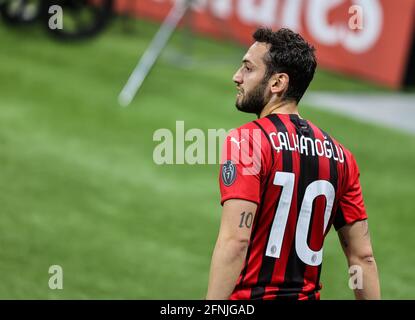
317,188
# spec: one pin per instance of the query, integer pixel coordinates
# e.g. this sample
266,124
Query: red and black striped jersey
303,181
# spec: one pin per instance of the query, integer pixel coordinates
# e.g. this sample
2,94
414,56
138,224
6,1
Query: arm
357,247
231,247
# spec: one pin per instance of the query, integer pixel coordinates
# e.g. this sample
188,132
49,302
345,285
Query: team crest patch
228,173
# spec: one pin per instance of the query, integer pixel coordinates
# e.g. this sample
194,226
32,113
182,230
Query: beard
254,100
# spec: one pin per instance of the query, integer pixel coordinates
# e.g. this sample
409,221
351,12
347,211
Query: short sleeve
351,206
240,169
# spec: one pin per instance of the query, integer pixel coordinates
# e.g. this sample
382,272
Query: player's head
279,66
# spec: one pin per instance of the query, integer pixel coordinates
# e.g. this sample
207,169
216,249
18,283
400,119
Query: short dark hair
291,54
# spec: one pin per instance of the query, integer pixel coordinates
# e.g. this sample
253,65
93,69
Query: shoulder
252,132
344,156
260,127
248,144
344,152
252,125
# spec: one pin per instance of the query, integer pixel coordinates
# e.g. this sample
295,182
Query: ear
279,83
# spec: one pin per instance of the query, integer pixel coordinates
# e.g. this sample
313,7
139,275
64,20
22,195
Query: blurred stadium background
79,187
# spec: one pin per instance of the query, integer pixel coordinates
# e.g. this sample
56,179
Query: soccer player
283,183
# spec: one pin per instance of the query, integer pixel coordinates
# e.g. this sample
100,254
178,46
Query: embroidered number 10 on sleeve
313,190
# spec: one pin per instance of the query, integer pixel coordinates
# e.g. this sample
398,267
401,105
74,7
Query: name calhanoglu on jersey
306,145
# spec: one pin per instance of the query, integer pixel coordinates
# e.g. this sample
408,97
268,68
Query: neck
284,107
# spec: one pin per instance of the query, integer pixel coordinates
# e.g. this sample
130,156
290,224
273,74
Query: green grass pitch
79,188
